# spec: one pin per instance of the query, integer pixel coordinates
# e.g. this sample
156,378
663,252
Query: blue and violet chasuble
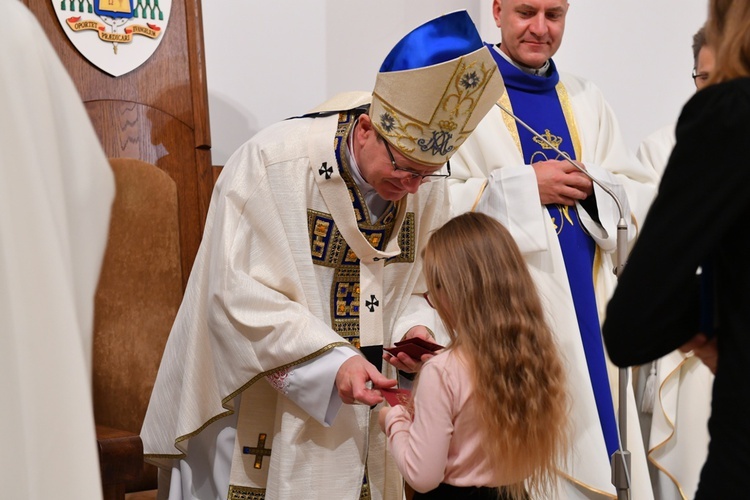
534,99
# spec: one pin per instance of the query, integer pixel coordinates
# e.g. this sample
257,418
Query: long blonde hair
728,34
481,288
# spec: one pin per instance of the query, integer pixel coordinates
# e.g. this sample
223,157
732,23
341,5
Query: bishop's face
531,30
377,167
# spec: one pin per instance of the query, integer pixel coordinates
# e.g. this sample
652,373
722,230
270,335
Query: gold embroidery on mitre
446,129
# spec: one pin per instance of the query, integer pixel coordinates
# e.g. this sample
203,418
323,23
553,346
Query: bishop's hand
352,382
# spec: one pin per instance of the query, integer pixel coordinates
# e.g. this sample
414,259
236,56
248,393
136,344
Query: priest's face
531,30
376,164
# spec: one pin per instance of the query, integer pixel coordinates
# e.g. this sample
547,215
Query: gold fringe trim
586,486
671,424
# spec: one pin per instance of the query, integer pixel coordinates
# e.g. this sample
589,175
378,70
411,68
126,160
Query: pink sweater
443,442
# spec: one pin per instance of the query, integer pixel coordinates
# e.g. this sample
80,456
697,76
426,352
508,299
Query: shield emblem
116,36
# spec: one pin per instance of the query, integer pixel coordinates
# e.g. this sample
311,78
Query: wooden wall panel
157,113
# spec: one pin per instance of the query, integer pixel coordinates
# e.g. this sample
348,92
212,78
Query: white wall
639,52
267,61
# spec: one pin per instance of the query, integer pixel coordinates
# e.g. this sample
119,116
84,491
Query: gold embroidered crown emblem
555,140
448,125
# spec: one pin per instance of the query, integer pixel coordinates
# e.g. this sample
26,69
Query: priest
564,224
309,265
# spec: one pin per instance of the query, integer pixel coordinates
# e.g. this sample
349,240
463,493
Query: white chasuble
290,266
490,175
678,440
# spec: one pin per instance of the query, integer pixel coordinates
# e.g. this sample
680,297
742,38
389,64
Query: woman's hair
479,284
728,34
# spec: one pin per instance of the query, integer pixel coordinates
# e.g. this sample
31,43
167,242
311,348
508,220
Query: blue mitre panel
442,39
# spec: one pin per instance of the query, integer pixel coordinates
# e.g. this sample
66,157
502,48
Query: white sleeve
512,197
604,232
312,385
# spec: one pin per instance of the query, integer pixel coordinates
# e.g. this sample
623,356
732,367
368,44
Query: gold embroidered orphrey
116,36
329,248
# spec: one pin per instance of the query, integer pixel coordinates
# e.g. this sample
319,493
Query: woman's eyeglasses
699,78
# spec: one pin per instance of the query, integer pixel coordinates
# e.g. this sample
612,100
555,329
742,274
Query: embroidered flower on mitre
279,381
388,122
402,135
470,80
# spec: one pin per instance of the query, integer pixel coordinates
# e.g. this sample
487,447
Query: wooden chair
140,290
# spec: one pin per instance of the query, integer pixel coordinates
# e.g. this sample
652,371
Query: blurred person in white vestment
56,191
674,392
655,149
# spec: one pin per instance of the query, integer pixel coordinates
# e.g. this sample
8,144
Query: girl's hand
381,417
403,361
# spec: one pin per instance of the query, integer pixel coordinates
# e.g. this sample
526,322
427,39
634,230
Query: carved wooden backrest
157,113
139,292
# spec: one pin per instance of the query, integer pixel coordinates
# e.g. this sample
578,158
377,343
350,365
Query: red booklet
396,397
414,347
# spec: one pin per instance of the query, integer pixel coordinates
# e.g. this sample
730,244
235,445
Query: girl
489,414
